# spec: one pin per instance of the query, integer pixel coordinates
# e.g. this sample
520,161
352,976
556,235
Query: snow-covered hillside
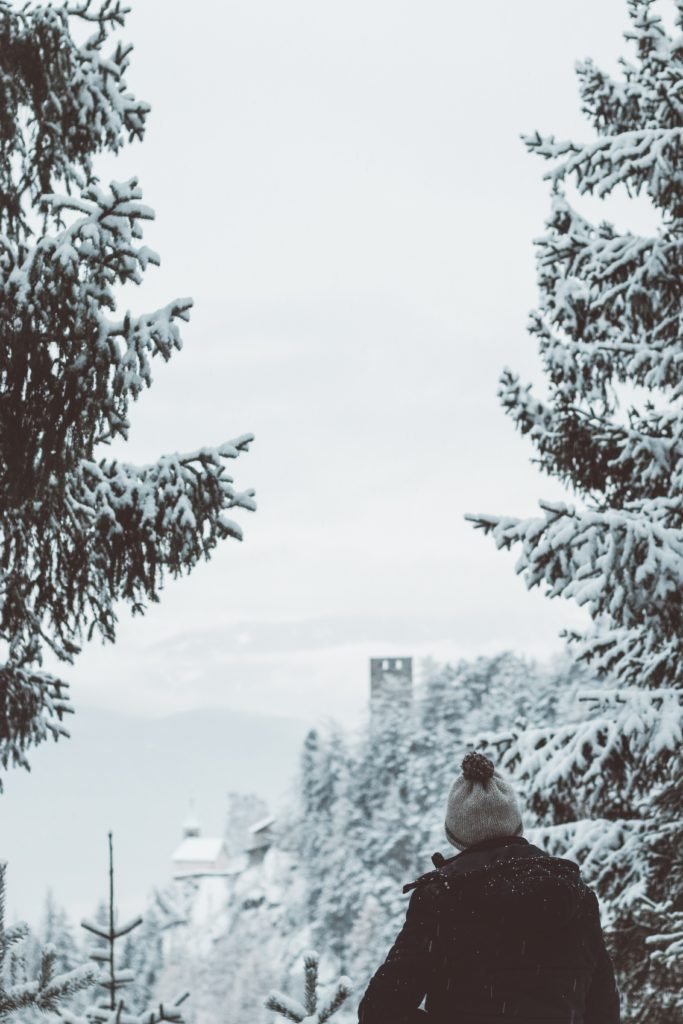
367,816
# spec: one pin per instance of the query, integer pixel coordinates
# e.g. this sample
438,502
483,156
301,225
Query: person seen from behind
501,932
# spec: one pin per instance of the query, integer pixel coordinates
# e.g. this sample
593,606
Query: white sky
342,189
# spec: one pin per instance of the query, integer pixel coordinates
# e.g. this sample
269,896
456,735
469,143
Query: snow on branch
608,759
605,850
667,947
644,158
598,301
620,462
32,708
107,933
635,656
121,529
288,1008
305,1012
336,1001
46,992
163,1014
177,503
49,82
109,10
85,368
649,92
663,700
624,562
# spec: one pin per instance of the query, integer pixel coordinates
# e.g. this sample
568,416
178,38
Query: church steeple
191,827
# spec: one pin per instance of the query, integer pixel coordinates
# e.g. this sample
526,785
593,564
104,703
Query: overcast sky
342,189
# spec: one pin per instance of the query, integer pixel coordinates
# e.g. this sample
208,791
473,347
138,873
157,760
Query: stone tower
391,681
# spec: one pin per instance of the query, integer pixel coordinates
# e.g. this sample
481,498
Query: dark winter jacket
500,933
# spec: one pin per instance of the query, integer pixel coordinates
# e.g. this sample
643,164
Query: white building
199,856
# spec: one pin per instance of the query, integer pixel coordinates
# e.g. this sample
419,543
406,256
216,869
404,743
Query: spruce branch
287,1008
48,991
311,963
342,993
110,10
292,1010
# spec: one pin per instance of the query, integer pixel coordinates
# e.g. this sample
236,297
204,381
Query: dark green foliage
47,81
80,532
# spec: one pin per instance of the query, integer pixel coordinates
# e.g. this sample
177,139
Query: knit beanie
481,805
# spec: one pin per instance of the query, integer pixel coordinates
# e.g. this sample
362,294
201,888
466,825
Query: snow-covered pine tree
611,427
20,990
114,977
79,531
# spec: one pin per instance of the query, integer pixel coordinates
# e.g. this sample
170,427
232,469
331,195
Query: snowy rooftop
262,824
199,848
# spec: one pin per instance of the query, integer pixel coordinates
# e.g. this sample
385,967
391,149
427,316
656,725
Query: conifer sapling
308,1012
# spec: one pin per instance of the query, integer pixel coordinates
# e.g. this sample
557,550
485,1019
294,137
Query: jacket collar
491,844
486,844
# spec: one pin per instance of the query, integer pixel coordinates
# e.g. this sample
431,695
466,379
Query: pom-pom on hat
481,805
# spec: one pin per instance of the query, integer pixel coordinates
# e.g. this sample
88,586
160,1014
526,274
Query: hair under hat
481,805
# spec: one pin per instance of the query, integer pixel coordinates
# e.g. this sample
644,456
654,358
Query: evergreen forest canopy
79,531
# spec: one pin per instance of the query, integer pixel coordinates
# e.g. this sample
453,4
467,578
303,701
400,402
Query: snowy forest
294,925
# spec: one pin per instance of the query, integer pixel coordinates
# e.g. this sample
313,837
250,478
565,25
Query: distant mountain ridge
138,777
